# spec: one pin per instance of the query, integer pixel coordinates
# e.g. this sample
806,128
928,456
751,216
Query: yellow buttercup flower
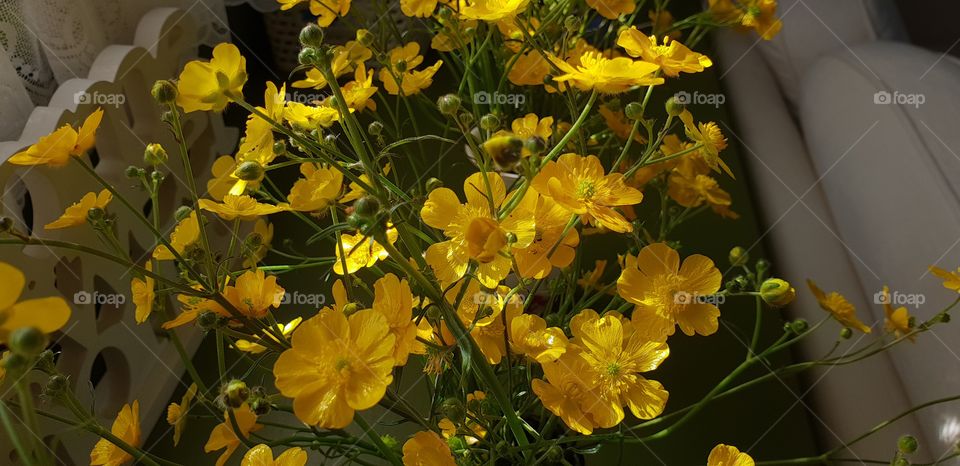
143,291
253,347
45,314
612,9
427,449
186,233
76,214
951,280
261,455
529,69
329,10
474,231
493,10
393,299
177,413
692,190
126,427
725,455
418,8
711,139
336,365
838,307
56,148
570,391
672,56
317,190
257,143
896,321
192,307
265,230
667,294
223,437
532,126
207,86
607,75
357,93
551,246
411,81
759,15
530,337
310,117
361,251
479,311
241,207
579,185
254,293
345,58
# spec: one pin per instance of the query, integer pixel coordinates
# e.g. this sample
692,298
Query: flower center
586,189
485,239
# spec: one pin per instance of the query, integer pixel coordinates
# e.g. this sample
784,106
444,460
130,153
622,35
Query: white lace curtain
46,42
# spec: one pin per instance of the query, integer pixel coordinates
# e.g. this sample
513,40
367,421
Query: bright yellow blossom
619,350
212,85
532,126
613,9
759,15
418,8
493,10
261,455
186,233
579,185
552,246
529,69
241,207
896,321
177,413
667,294
711,140
126,427
412,81
56,148
607,75
144,294
393,299
570,391
192,307
328,10
253,347
76,214
672,56
951,280
474,231
254,293
530,336
317,190
345,58
838,307
336,365
427,449
725,455
45,314
361,251
223,437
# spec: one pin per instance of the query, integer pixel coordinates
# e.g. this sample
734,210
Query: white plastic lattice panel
110,359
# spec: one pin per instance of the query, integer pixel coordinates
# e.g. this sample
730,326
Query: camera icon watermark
97,98
486,98
306,98
304,299
899,98
896,298
686,298
83,298
699,98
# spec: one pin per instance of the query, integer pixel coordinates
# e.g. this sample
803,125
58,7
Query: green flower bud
944,318
356,221
738,256
433,183
489,122
46,363
95,214
535,144
308,56
846,333
375,128
56,385
351,308
400,65
164,92
6,224
183,212
572,24
280,147
311,35
28,341
777,292
15,363
367,206
453,409
673,107
365,37
133,172
907,444
901,462
633,111
449,104
235,393
390,441
457,444
208,320
762,265
466,119
799,326
157,177
250,170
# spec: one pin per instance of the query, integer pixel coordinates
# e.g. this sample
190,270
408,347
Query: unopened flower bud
572,23
489,122
738,256
457,444
308,56
504,150
433,183
364,37
56,385
799,326
164,92
673,107
157,177
311,35
535,144
375,128
208,320
279,147
449,104
777,292
762,265
251,170
907,444
453,409
133,172
351,308
400,65
46,362
95,214
6,224
182,212
235,393
28,341
901,462
846,333
367,206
